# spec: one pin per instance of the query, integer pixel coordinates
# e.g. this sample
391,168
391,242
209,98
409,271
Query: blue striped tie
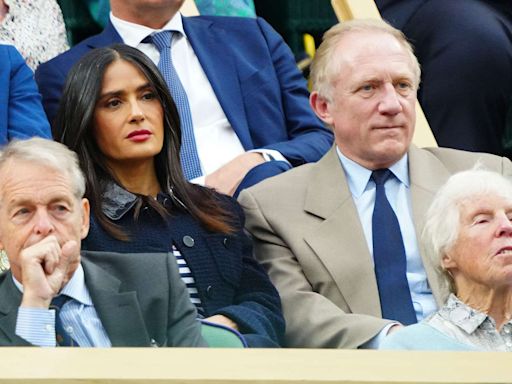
188,154
389,257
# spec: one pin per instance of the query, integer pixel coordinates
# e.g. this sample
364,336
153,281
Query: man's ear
320,106
85,217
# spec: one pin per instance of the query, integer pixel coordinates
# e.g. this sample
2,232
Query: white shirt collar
133,34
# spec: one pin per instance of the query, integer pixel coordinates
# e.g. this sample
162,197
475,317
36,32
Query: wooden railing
251,366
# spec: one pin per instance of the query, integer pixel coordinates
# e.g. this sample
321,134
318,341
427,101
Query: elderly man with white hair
468,235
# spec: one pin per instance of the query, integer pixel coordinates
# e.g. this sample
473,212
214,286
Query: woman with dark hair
118,115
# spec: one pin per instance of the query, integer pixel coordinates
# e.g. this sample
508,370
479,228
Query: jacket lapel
119,312
427,174
9,303
108,37
210,44
351,267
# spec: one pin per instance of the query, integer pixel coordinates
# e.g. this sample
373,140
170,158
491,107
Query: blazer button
209,292
188,241
226,242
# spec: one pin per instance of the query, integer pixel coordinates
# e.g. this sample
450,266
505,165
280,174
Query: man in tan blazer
312,225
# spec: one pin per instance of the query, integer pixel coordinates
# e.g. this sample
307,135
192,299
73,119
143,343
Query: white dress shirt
216,141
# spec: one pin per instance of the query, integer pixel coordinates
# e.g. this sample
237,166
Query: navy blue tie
62,337
188,154
389,257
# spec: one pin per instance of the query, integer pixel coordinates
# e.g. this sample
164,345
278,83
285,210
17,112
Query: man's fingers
70,249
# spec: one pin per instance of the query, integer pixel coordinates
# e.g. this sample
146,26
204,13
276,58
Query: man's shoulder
455,160
224,20
230,23
65,60
71,55
292,182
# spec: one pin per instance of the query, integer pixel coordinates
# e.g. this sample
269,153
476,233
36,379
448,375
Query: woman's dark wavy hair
74,127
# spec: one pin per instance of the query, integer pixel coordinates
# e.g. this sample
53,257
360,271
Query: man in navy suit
248,101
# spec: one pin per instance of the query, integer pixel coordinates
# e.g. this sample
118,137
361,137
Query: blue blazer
252,72
21,112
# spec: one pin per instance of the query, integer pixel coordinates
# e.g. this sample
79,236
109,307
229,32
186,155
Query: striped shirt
78,316
188,279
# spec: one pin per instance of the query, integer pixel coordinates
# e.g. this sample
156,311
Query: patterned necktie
389,257
62,337
188,154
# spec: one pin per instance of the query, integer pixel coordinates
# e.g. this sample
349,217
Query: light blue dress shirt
78,316
398,193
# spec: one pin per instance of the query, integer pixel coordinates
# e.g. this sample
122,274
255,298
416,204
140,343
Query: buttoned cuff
37,326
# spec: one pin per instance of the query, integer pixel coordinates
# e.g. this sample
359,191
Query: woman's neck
497,303
137,177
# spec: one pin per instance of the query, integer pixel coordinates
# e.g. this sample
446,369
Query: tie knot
59,301
380,176
162,40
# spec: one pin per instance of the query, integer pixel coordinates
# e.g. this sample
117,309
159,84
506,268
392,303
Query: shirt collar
75,287
133,34
359,176
462,315
116,201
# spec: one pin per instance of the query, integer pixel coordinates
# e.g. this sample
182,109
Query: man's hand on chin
46,267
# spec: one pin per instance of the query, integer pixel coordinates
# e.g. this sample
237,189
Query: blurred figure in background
465,51
242,8
34,27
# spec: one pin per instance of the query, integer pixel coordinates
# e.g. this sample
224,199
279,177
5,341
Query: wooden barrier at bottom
232,366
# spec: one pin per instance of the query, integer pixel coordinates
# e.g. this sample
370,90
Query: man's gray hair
326,64
442,225
47,153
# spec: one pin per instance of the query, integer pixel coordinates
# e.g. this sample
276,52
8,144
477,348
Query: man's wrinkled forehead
359,50
20,173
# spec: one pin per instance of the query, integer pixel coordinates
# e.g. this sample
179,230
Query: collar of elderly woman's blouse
463,316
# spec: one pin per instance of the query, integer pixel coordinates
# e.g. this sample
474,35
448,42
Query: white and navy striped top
188,278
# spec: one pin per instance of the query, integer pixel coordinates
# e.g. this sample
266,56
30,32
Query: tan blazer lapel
339,240
427,174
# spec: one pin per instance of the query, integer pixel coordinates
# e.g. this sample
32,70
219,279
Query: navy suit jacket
21,113
252,72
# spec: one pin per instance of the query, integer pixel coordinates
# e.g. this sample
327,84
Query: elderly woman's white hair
443,217
48,153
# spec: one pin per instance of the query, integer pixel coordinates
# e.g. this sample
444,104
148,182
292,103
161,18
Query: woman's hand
222,320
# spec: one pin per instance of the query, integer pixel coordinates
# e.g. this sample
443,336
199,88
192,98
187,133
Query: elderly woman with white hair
468,233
